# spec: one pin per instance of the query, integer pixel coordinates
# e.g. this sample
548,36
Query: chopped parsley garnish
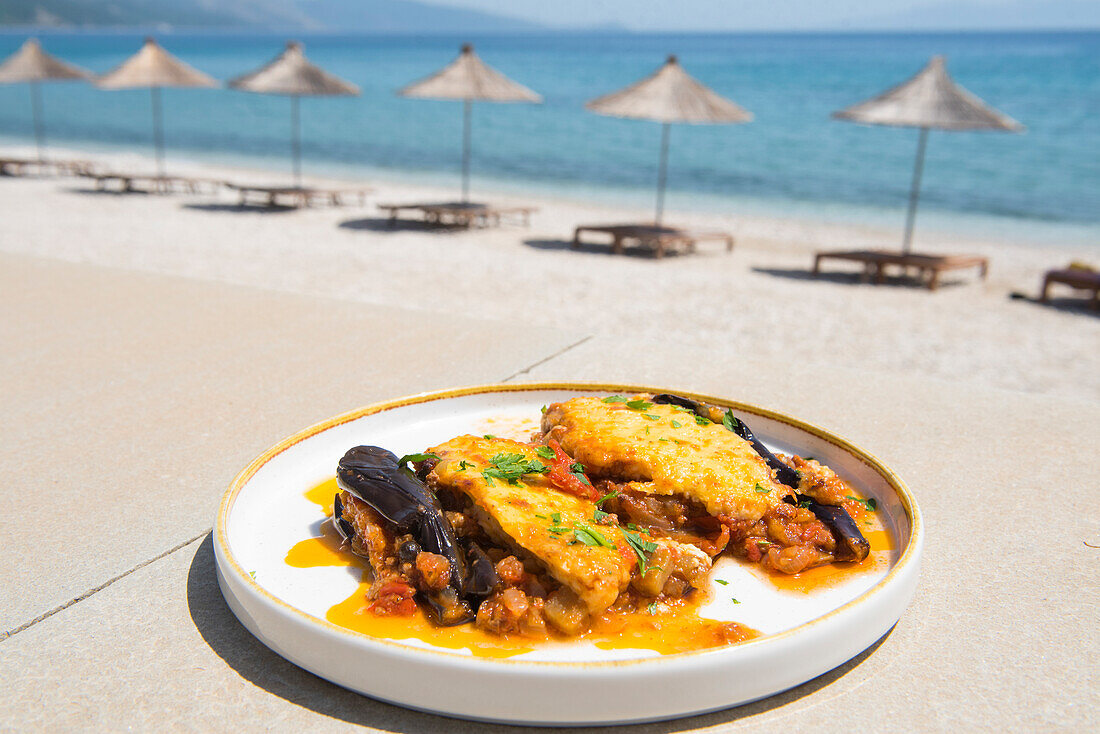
510,467
734,600
614,399
869,503
729,421
675,424
541,517
415,458
647,430
652,609
761,489
722,581
590,536
252,574
599,515
642,548
544,410
545,452
703,421
652,417
608,496
577,470
464,465
804,504
489,436
662,438
639,404
556,517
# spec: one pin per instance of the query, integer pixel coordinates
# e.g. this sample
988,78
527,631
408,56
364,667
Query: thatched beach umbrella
153,67
668,95
291,74
931,99
33,65
469,79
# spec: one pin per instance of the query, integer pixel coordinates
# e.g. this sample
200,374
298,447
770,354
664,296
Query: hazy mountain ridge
379,16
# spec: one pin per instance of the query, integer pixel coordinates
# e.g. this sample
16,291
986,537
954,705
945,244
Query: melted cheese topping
595,573
663,450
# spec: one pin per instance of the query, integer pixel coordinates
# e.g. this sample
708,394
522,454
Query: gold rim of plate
895,482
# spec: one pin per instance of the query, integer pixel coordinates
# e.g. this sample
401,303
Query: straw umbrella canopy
291,74
33,65
469,79
929,100
153,67
666,96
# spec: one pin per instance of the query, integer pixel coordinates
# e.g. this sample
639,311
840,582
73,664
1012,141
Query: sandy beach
757,302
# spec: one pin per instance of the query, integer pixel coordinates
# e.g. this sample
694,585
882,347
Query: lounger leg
817,265
729,244
617,245
934,279
576,238
1044,297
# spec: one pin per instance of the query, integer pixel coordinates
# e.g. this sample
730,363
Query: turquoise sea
791,160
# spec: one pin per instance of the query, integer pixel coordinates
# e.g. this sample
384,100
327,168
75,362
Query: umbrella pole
914,192
158,131
36,116
296,140
662,175
467,108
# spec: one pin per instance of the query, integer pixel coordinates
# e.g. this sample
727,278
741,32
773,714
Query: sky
733,15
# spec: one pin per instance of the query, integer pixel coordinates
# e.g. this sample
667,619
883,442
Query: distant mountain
979,15
400,16
377,16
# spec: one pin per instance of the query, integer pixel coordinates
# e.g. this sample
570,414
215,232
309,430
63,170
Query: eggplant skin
850,543
373,475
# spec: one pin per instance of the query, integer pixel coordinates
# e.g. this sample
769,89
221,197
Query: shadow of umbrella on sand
153,67
669,95
931,99
470,80
33,65
292,74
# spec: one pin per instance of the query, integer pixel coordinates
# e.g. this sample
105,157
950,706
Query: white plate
265,512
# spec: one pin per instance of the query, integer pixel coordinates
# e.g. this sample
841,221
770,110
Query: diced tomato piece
395,598
562,477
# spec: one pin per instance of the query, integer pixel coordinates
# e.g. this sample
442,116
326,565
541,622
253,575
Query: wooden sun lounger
659,239
459,214
272,196
875,263
150,183
1074,278
24,166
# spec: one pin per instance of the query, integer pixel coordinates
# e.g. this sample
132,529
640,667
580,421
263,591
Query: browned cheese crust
663,450
510,513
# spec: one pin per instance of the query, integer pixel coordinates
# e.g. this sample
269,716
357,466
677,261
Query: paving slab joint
101,587
546,359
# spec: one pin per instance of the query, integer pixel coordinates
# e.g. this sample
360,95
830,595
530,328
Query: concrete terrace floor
130,401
